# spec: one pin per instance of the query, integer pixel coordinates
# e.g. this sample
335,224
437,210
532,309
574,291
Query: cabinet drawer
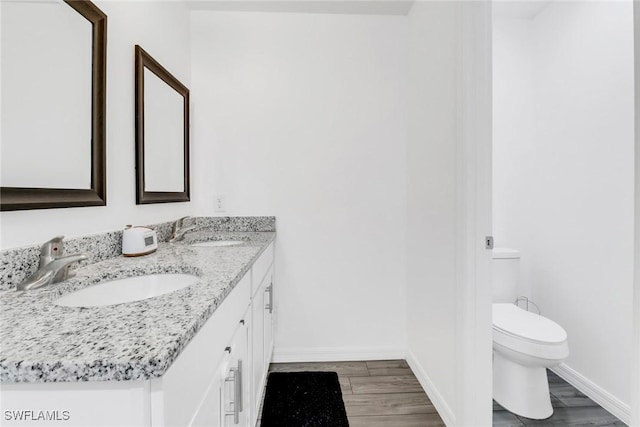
260,268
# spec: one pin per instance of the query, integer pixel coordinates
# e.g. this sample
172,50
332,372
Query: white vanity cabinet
217,380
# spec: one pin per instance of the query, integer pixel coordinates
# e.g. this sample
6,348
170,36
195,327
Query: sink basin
218,243
127,290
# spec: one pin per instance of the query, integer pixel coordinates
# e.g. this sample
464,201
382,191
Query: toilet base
523,390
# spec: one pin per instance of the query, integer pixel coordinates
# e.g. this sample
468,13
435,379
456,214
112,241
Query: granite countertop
43,342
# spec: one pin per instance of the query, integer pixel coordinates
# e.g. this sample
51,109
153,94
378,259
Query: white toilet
524,345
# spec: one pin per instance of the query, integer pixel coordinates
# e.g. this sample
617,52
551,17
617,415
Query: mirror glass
45,95
52,104
163,136
162,133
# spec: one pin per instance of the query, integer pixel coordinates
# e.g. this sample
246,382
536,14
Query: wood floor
377,393
387,394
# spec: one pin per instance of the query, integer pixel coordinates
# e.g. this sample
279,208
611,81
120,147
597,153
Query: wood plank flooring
377,393
387,394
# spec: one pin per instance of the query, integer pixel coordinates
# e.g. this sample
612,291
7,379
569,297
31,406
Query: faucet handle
51,249
178,224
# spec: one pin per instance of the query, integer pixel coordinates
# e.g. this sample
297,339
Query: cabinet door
268,319
210,411
257,350
235,384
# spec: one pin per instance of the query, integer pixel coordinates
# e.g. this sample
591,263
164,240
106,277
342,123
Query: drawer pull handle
269,305
239,387
235,377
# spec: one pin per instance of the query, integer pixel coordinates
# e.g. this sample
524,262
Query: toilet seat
528,333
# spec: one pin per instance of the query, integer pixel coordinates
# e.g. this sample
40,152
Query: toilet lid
515,321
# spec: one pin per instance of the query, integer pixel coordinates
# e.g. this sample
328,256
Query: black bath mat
303,399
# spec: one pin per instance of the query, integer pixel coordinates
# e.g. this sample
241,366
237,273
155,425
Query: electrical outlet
220,203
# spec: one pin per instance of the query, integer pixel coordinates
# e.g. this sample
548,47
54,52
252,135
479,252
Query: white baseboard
331,354
595,392
441,405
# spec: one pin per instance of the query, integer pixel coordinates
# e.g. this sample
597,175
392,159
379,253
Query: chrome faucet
54,266
179,230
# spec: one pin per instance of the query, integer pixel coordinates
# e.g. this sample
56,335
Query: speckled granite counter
42,342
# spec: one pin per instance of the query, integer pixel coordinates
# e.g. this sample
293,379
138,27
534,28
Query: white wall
162,29
564,177
431,212
635,373
302,116
513,130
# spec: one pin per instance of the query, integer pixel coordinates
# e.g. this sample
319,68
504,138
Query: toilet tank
505,274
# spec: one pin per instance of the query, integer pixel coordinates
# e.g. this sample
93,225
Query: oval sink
218,243
127,290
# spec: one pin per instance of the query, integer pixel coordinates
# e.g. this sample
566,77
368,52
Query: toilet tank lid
505,253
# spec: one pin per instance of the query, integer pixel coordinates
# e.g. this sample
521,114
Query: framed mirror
162,133
53,103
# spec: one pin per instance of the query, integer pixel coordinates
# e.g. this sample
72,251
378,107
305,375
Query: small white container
138,241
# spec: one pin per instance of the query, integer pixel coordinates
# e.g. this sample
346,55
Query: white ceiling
350,7
522,9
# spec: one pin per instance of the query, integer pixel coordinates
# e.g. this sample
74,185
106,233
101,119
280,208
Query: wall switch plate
220,203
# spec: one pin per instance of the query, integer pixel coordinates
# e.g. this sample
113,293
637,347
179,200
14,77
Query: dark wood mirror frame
23,198
144,60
